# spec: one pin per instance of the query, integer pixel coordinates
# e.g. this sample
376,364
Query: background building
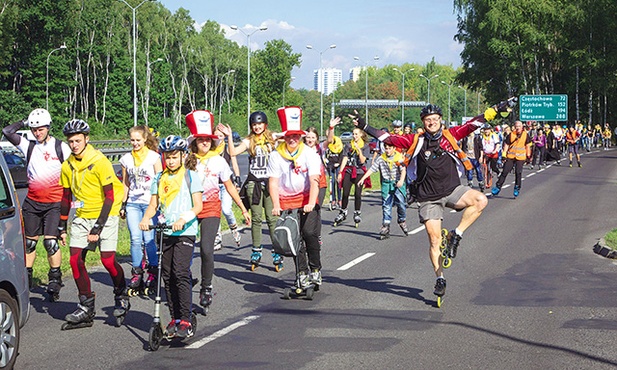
326,80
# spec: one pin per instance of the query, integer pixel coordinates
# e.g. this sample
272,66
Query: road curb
601,249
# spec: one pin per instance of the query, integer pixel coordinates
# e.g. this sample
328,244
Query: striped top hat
201,124
291,120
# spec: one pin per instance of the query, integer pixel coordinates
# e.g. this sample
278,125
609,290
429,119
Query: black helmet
172,143
486,126
258,117
408,125
76,126
430,109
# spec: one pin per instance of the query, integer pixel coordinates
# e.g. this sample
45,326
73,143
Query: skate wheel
310,291
287,293
447,262
253,267
439,301
119,321
278,267
54,297
147,291
154,337
65,326
357,226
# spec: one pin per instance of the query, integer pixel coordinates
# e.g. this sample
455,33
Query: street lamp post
285,87
221,92
428,80
63,46
403,92
449,110
375,58
320,82
147,89
248,59
465,98
134,9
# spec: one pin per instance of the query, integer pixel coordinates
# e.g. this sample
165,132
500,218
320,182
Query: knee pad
51,245
30,245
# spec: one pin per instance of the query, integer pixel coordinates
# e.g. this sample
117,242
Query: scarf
261,141
356,147
140,155
336,146
211,153
397,158
170,185
282,150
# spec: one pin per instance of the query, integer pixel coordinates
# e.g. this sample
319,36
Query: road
525,292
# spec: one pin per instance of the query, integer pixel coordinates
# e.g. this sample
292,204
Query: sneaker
440,287
171,328
235,234
303,280
495,190
516,191
184,329
218,242
315,277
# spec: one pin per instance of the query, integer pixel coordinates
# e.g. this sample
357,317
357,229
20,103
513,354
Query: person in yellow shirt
88,176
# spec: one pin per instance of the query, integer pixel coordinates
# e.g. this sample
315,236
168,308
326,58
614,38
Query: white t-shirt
44,170
294,183
140,178
210,171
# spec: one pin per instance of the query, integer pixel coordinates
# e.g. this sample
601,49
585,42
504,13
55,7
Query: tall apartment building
326,80
354,73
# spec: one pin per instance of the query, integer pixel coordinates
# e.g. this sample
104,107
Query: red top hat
291,120
201,124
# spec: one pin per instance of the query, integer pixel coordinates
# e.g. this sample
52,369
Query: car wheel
9,330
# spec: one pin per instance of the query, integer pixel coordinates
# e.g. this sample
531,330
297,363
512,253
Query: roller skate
277,261
356,217
517,191
342,215
445,254
30,280
481,185
449,252
122,305
236,234
83,316
55,284
255,258
302,286
403,226
205,298
440,290
136,285
315,278
384,233
151,281
218,242
495,190
185,329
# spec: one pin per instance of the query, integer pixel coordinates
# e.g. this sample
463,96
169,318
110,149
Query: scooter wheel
154,337
287,293
309,293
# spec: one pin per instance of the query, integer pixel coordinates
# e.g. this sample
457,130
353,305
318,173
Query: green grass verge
611,239
41,266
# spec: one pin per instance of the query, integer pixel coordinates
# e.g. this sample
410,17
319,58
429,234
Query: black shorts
41,218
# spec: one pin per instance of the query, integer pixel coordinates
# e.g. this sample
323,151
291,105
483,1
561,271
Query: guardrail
113,149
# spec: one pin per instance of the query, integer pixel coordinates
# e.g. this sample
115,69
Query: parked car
14,293
5,144
236,137
16,162
346,136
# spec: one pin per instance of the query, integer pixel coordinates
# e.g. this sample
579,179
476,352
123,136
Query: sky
397,31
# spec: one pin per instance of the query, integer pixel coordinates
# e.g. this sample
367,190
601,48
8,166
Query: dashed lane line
355,262
200,343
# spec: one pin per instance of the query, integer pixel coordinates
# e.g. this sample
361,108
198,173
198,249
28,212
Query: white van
4,143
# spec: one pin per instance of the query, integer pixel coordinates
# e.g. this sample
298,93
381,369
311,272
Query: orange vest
517,148
446,134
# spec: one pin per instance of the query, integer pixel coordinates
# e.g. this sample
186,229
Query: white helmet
38,118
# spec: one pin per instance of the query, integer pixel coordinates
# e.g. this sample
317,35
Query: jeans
476,167
134,214
226,203
391,195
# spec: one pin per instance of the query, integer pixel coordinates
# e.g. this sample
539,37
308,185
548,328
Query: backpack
286,238
58,151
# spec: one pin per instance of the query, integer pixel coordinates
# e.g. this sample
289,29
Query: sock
458,232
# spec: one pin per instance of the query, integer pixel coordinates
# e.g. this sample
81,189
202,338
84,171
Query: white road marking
531,174
417,230
222,332
355,262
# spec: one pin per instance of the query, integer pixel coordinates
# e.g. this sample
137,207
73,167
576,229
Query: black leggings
208,228
518,172
347,183
310,229
176,264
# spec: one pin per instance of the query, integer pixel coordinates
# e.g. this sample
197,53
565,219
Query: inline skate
356,218
342,216
151,281
255,257
55,284
205,298
440,290
83,316
403,226
277,260
384,233
236,234
136,285
122,305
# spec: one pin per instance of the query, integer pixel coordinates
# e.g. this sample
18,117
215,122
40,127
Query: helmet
430,109
486,126
397,123
408,125
38,118
258,117
172,143
76,126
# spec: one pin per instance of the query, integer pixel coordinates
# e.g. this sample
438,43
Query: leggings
208,227
347,183
176,264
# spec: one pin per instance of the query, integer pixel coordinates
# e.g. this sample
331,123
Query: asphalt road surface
525,292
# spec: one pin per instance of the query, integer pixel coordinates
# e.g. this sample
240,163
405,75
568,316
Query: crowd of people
187,184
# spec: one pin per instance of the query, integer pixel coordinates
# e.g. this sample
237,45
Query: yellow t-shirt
86,178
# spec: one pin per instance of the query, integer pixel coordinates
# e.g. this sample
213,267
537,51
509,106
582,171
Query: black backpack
287,238
58,151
